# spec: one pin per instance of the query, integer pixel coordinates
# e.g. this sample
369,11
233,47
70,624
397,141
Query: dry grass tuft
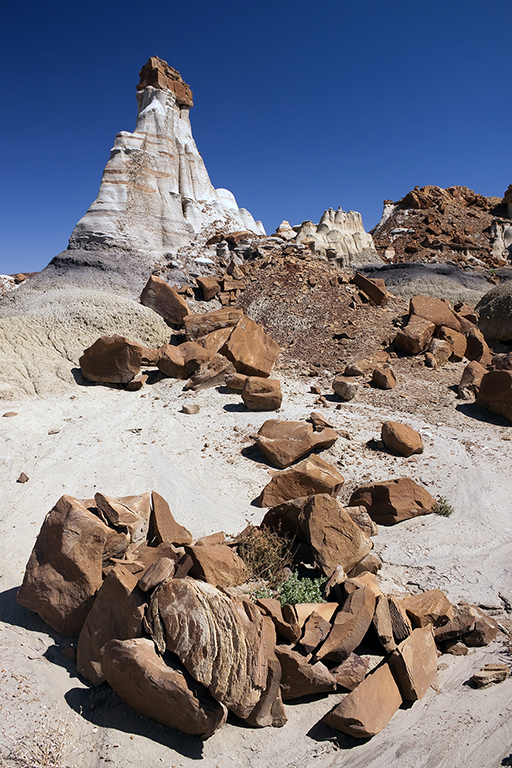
266,553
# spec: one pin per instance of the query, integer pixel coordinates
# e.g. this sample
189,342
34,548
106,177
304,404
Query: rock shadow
475,411
253,453
103,708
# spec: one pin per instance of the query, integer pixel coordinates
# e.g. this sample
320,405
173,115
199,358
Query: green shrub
442,507
295,590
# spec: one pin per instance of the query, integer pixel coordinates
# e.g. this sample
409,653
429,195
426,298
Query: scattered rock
401,439
314,632
210,287
9,414
236,381
374,288
156,573
261,394
415,336
370,707
383,624
284,442
312,475
111,360
414,664
360,516
477,348
369,564
393,501
164,300
300,678
210,374
457,340
171,362
250,349
441,350
383,378
491,673
345,389
191,409
23,478
160,689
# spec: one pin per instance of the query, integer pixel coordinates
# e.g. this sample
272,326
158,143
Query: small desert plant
295,590
442,507
266,553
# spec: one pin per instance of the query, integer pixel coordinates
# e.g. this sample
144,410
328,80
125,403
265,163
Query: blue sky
299,105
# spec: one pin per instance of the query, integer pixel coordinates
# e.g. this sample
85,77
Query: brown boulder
369,564
218,639
470,380
462,623
212,373
237,381
250,349
111,360
350,625
441,350
204,324
457,340
271,607
300,612
401,439
133,511
383,378
284,518
428,608
194,355
435,311
116,614
215,340
160,689
484,631
375,289
495,393
210,286
361,517
491,673
158,74
332,534
370,707
270,709
345,388
64,571
171,362
299,678
400,622
383,625
477,348
284,442
218,565
312,475
393,501
156,573
315,631
261,394
414,664
163,525
350,672
415,336
164,300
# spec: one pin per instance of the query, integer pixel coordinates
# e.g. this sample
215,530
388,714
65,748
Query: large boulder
64,571
250,349
312,475
392,501
161,298
111,360
414,663
350,625
495,393
495,309
159,688
284,442
370,707
401,439
260,394
218,639
116,614
435,311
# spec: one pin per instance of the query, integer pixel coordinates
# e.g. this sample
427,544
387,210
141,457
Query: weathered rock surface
164,526
112,360
495,313
495,393
314,632
116,614
345,388
212,373
375,289
340,235
370,707
435,311
491,673
334,537
441,350
383,625
271,607
361,517
414,664
299,678
218,565
457,340
401,439
64,571
428,608
392,501
260,394
349,626
470,380
218,639
415,336
477,348
284,442
350,672
156,573
160,689
250,349
201,325
312,475
164,300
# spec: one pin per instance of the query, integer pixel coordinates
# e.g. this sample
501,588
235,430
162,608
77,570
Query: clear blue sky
299,105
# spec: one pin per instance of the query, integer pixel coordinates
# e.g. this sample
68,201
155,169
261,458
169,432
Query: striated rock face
155,195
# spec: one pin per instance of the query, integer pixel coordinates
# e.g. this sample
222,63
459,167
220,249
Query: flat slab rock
159,688
392,501
284,442
312,475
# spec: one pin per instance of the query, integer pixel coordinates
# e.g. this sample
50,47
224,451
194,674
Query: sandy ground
98,438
